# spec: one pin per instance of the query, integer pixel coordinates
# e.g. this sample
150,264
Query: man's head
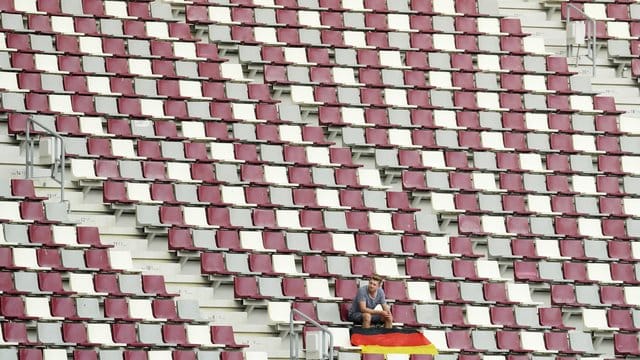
374,283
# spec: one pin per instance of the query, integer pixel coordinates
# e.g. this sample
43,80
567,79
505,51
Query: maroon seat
626,344
223,334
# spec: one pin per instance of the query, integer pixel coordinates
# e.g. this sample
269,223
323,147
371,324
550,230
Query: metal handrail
294,347
59,158
592,35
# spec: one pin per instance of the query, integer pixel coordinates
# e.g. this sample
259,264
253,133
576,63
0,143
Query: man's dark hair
377,278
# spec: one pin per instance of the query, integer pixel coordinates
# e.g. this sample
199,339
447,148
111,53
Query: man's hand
386,314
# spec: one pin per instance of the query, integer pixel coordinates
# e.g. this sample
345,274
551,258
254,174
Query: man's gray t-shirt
363,294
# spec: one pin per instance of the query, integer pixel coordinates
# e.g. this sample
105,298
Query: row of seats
97,9
153,216
277,241
489,341
376,18
27,353
114,335
536,226
50,236
613,251
132,192
573,271
522,183
414,291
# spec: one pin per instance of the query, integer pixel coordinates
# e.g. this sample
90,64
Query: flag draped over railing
392,341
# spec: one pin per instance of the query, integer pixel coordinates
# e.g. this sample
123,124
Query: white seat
369,177
141,309
489,62
319,155
489,25
159,29
250,239
116,9
631,206
309,18
446,7
485,181
438,245
596,11
303,94
223,151
285,263
630,164
65,235
391,58
38,307
520,293
200,335
54,354
539,203
352,115
632,295
344,75
195,216
420,291
152,107
488,269
255,355
328,197
179,171
600,272
399,22
99,84
276,175
441,79
61,103
532,162
232,71
355,38
434,159
548,248
596,320
345,243
584,184
139,192
582,103
291,133
279,311
186,50
82,284
536,121
439,339
120,260
387,267
494,225
535,83
193,130
288,219
629,124
381,221
583,142
445,42
534,44
534,340
479,316
396,97
492,140
9,81
489,100
91,45
159,355
342,338
10,210
26,6
443,203
140,67
590,227
233,195
319,288
124,148
190,88
400,137
27,258
220,14
266,35
100,333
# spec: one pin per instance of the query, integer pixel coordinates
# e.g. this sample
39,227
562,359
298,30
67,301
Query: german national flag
392,341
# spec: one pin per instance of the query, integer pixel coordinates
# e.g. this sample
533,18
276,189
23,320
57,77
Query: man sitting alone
363,309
